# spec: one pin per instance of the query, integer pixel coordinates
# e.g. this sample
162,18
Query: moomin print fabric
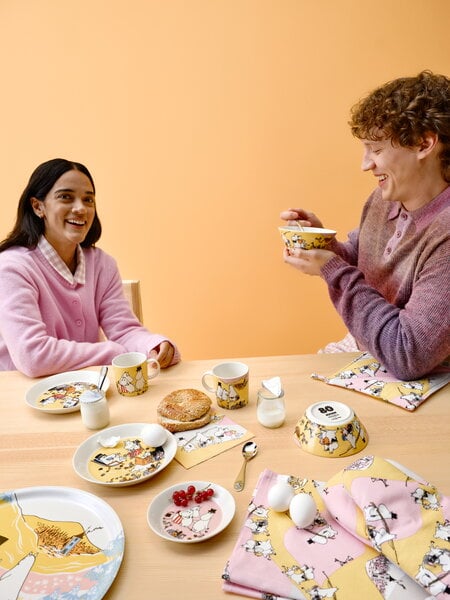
368,376
380,532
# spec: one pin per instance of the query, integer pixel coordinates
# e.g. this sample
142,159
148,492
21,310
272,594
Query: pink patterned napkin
380,532
368,376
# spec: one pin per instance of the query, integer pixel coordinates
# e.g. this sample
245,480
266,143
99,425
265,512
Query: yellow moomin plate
60,393
127,461
57,542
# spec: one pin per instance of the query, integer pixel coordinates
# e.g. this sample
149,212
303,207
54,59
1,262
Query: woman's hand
163,353
309,262
306,218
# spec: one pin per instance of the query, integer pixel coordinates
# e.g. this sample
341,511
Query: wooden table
36,449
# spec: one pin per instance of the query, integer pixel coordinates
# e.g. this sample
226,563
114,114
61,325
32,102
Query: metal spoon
102,377
249,450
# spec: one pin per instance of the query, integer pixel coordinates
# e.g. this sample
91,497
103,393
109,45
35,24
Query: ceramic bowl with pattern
330,429
306,238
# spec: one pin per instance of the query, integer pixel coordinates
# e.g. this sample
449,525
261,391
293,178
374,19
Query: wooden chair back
132,290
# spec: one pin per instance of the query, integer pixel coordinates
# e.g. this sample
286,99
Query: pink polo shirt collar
60,266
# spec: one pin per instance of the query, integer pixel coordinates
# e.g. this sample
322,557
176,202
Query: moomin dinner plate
60,393
127,462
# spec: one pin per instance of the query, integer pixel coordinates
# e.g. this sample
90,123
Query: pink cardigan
391,284
48,325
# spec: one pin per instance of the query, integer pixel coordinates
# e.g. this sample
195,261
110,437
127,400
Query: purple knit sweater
391,284
48,325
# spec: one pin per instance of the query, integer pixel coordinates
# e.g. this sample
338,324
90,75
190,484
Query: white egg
109,442
154,435
302,510
280,496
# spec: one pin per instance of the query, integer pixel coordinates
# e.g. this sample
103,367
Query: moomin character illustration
232,394
11,581
428,500
221,392
210,436
372,512
323,535
133,447
438,556
140,381
352,432
125,383
186,517
257,525
201,525
379,536
375,386
433,584
328,439
259,548
189,523
442,531
317,593
298,574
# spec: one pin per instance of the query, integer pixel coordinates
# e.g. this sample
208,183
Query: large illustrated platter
60,393
127,461
57,542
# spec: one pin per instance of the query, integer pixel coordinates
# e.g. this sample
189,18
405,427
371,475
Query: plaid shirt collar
60,266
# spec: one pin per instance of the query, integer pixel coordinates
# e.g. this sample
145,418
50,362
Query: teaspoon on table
249,450
102,377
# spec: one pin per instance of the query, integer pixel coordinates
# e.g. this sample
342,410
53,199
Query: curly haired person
390,281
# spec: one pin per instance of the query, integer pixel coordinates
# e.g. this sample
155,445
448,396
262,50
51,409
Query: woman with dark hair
390,281
57,290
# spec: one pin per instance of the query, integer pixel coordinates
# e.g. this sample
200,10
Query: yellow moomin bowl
305,238
330,429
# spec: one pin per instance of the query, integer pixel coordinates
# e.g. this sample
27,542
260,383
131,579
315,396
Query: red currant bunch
183,497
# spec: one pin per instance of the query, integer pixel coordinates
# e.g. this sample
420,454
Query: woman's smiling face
68,211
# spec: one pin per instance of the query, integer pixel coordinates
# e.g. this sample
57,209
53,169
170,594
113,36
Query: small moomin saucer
194,521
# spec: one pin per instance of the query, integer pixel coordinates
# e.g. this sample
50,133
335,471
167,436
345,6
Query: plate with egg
125,454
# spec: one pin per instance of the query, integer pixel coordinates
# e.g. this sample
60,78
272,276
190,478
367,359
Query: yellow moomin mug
229,382
132,372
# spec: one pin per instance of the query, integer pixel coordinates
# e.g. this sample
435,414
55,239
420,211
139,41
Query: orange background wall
200,121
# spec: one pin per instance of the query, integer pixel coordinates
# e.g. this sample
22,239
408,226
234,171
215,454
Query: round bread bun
175,426
184,405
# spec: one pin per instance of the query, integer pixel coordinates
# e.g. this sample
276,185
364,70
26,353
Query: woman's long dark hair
29,227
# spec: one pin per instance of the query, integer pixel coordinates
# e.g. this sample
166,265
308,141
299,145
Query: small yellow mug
131,372
229,382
